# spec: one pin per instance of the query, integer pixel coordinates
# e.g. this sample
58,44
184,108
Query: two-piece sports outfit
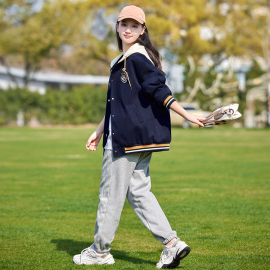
140,124
137,123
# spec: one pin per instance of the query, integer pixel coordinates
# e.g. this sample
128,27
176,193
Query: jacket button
115,151
108,83
113,115
108,100
112,98
113,134
111,80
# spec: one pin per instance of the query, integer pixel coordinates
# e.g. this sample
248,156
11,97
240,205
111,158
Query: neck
126,46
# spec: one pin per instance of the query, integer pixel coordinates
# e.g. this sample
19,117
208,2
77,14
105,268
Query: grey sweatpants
128,176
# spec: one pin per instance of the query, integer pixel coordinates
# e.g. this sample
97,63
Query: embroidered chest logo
123,77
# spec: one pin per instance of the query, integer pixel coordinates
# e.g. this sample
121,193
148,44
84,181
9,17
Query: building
41,80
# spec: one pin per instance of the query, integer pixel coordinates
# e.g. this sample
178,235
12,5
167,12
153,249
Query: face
129,30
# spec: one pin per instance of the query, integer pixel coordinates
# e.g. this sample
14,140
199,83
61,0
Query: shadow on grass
75,247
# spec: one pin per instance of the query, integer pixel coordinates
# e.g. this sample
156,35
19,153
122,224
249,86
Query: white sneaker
171,256
90,256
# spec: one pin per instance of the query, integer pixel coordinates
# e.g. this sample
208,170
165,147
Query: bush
80,105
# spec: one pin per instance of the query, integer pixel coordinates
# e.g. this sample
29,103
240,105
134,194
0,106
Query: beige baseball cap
132,12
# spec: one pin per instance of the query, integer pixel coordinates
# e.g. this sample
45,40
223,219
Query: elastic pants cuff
172,235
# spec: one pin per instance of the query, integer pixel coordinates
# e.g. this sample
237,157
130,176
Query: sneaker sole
176,261
110,261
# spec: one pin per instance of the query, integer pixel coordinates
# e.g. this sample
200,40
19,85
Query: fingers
200,124
92,146
200,119
88,144
197,121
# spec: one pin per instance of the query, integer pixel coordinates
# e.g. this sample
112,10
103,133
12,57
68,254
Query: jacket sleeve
152,80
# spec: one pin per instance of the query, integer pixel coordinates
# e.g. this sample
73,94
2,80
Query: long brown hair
144,40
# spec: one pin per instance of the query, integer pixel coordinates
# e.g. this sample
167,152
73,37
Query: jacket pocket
136,113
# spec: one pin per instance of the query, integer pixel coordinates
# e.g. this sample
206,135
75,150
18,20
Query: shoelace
91,252
164,255
87,250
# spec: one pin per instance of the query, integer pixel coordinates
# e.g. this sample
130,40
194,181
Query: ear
142,31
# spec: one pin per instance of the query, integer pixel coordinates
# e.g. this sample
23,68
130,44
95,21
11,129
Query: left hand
195,119
191,118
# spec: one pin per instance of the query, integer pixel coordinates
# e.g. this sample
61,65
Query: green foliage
220,88
34,36
214,88
62,32
237,30
255,71
76,106
254,78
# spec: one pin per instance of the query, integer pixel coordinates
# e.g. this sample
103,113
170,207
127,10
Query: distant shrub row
79,105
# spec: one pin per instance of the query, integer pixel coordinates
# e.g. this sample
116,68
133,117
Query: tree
81,34
35,35
167,22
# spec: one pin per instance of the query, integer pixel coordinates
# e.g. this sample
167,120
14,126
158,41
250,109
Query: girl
136,123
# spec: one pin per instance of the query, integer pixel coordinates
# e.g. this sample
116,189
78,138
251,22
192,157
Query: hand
195,119
191,118
93,141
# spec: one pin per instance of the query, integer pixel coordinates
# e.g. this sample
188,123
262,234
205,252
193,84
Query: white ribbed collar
136,48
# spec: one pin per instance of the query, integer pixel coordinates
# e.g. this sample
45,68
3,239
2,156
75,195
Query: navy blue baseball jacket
138,101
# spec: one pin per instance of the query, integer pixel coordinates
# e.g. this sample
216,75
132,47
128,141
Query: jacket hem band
144,148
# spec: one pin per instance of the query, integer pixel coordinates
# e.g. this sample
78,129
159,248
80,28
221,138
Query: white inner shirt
109,139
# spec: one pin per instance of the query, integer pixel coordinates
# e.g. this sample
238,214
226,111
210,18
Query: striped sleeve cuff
168,101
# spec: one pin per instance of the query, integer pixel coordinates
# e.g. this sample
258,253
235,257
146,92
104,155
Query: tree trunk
27,70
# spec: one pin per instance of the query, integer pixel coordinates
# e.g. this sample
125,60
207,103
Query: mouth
127,36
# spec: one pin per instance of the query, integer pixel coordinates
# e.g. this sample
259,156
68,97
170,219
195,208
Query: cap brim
131,17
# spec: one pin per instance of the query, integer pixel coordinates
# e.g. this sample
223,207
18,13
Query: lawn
213,185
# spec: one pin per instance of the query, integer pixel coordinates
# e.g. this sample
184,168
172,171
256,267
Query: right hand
93,141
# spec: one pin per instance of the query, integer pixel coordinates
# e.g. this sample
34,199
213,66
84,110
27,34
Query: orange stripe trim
146,146
166,100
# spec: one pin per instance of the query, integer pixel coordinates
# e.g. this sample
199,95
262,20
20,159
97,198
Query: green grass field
213,185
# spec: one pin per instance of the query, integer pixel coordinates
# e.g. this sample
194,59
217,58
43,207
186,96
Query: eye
135,26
